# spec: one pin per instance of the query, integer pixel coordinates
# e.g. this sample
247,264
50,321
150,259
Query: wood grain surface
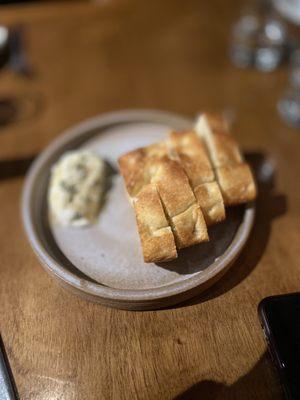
170,55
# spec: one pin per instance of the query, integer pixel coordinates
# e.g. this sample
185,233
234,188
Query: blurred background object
4,48
290,9
289,104
17,53
259,38
13,56
12,49
265,36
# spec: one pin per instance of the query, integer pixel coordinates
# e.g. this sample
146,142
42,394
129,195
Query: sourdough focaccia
233,173
153,166
182,184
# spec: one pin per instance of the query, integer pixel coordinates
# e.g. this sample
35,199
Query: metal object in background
242,51
12,50
294,73
4,48
13,56
8,390
18,60
289,105
263,38
3,36
259,41
289,108
271,45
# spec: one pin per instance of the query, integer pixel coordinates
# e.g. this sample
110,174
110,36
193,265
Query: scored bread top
153,165
237,183
179,202
155,233
233,173
136,166
222,147
192,155
173,185
214,122
188,148
132,166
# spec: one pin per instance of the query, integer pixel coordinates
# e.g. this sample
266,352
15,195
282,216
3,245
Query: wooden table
168,55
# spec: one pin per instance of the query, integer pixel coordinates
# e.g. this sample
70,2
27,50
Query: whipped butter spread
76,187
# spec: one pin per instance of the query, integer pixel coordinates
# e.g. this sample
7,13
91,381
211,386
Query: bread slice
156,236
233,174
188,149
181,207
135,175
236,183
136,169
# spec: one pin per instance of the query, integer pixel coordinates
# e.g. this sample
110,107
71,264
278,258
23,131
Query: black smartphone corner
280,321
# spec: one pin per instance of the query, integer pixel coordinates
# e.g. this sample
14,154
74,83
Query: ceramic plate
104,262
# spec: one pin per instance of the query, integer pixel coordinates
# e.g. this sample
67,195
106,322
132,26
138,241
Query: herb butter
76,188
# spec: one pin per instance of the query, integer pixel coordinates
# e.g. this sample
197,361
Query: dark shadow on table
8,111
14,168
260,383
269,206
20,108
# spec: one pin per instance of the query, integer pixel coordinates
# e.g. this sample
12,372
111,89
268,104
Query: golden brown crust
173,185
172,182
210,199
179,202
132,167
216,122
233,174
135,166
191,153
156,150
189,227
155,233
236,183
223,148
152,165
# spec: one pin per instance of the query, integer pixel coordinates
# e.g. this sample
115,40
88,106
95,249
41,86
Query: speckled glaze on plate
103,262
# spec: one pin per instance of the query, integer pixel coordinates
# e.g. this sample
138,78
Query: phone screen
280,317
